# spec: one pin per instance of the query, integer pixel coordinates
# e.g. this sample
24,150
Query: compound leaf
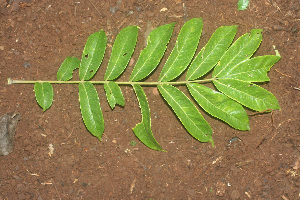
90,109
220,106
209,55
143,130
253,70
43,94
234,74
187,113
150,57
92,55
184,50
114,94
240,51
66,69
248,94
121,52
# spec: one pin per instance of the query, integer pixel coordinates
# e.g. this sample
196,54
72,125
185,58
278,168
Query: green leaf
143,130
187,113
150,57
184,50
114,94
243,4
121,52
253,70
212,52
43,94
247,94
66,69
220,106
92,55
241,50
90,109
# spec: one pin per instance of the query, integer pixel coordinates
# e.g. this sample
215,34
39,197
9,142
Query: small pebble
113,10
130,12
139,8
26,65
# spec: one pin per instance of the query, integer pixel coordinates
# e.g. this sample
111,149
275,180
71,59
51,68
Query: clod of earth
8,124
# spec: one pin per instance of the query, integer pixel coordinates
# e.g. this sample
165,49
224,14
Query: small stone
139,9
27,65
114,141
113,10
1,48
130,12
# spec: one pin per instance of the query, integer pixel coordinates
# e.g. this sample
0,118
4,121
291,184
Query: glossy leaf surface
220,106
143,130
208,57
248,94
92,55
114,94
90,109
150,57
253,70
121,52
66,69
183,51
43,94
241,50
187,113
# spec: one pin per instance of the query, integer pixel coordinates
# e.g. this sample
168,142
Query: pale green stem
10,81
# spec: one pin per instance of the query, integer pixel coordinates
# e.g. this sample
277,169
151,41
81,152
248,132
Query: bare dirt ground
55,157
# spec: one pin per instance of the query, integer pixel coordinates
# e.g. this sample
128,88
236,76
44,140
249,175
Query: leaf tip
256,31
212,143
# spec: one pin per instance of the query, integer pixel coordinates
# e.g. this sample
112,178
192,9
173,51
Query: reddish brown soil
264,164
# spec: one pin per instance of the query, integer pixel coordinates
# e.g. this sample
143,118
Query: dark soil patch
38,36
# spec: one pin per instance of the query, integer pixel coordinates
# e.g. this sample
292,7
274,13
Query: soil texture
55,157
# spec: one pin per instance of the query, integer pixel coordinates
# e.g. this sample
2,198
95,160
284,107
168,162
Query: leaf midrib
236,119
89,110
226,66
179,52
206,135
93,47
155,47
119,56
252,97
207,55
